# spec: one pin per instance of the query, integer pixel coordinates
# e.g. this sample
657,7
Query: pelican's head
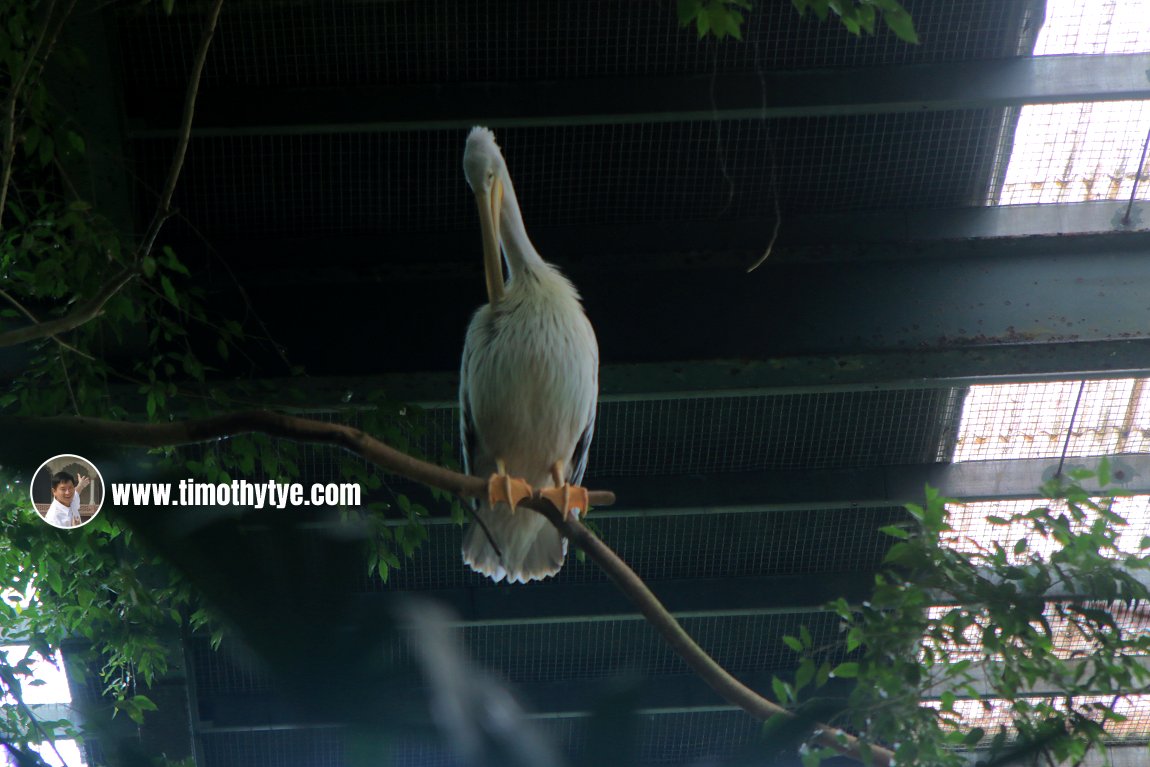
485,170
483,163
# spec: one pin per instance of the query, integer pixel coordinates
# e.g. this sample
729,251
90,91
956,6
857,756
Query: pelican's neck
517,248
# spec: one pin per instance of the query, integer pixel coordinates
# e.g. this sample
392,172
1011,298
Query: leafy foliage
1032,643
860,16
104,590
715,17
724,18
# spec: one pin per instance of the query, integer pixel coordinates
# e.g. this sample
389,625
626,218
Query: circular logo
67,491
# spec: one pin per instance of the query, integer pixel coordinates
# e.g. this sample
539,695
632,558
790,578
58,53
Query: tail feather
531,548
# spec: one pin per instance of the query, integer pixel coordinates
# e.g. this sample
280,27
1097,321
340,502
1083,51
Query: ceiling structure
757,428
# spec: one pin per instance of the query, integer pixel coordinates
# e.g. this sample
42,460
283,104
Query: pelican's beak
490,204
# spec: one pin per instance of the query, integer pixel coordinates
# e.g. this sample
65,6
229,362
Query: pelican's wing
577,463
467,435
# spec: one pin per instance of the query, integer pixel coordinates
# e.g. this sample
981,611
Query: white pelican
528,386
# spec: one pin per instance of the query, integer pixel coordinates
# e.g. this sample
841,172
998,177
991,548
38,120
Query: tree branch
46,40
24,310
90,309
388,458
164,206
731,689
83,313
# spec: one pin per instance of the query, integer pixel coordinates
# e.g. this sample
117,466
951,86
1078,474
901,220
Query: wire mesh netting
545,652
303,747
1042,420
710,435
990,714
663,739
816,430
570,175
527,653
689,546
974,533
289,43
1068,639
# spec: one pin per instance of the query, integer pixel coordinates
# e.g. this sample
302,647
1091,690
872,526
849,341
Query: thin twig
47,40
68,382
390,459
164,206
770,146
45,736
83,313
771,242
12,300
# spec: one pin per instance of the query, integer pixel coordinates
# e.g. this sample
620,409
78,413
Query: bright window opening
54,692
990,714
1087,151
1041,420
974,534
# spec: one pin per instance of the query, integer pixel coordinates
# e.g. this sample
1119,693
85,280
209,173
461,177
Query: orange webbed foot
502,488
565,496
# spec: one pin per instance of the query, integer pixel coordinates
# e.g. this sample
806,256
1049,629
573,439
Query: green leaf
895,531
901,24
900,553
148,266
1104,471
688,10
171,261
782,690
854,638
703,23
145,703
31,140
824,674
805,674
169,290
47,150
793,643
848,670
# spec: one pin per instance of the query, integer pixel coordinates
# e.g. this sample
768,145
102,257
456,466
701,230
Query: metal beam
689,598
222,111
787,490
969,300
696,379
662,695
882,235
